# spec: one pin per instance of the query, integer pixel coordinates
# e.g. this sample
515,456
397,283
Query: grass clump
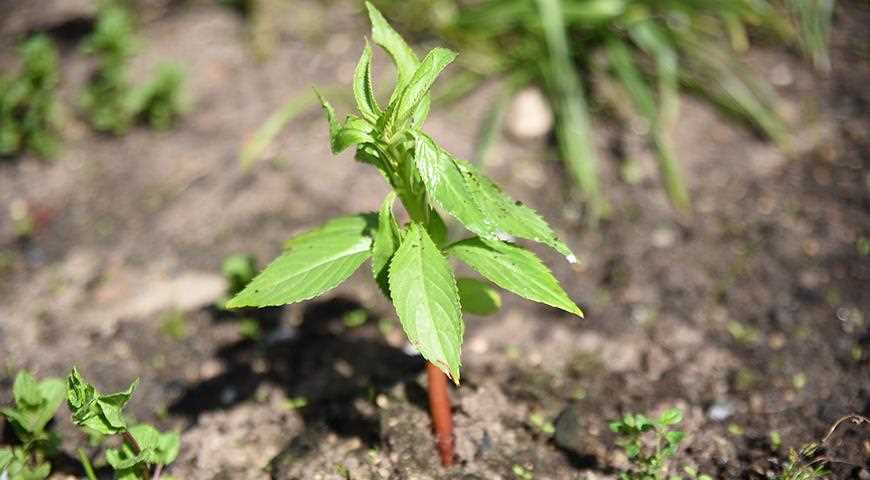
28,101
634,57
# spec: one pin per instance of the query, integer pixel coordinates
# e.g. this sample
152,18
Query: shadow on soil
329,365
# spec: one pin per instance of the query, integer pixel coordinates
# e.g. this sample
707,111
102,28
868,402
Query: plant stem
442,418
130,440
86,464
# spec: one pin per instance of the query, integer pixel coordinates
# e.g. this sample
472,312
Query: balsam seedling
28,101
410,262
35,405
143,445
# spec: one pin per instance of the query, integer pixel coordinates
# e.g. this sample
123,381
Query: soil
751,314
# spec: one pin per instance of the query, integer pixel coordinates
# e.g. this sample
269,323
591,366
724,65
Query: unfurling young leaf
405,59
363,90
385,243
91,409
143,444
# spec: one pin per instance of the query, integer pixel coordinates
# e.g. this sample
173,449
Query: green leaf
405,59
418,86
573,129
385,243
424,293
351,225
348,136
674,438
102,413
363,90
446,187
514,269
477,202
154,448
167,448
311,264
671,416
477,297
334,126
510,217
5,458
615,426
35,405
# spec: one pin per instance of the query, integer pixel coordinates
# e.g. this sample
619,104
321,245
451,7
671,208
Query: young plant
106,100
28,101
410,262
649,456
35,405
796,468
143,445
160,103
110,101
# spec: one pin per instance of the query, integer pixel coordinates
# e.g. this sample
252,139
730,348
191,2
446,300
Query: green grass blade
573,127
664,115
814,26
254,149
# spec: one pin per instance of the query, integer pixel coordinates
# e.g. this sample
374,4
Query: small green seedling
160,103
35,405
110,101
798,468
143,445
410,262
648,443
28,101
106,99
238,271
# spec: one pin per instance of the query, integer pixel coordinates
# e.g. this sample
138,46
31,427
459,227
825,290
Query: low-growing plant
800,466
571,49
36,402
649,444
238,271
110,101
143,445
106,100
28,103
410,262
160,103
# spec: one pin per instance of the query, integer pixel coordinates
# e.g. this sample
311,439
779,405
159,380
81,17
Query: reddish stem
442,418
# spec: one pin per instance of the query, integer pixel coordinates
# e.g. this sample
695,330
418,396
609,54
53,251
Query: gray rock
570,431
